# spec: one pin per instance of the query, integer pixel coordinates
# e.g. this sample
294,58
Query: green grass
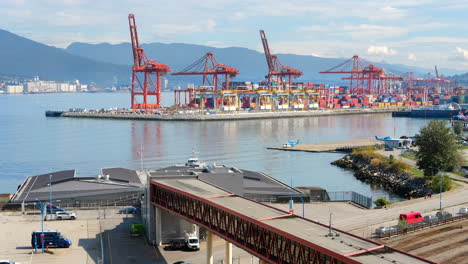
409,155
416,172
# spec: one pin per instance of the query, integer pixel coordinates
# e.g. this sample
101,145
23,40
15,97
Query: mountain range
110,64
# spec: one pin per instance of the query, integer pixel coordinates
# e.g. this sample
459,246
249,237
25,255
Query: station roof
239,181
339,241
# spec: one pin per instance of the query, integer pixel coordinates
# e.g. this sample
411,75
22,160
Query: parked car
430,219
463,210
385,230
443,215
65,215
128,210
54,209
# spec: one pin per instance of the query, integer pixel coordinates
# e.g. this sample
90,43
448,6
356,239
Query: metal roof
66,185
239,181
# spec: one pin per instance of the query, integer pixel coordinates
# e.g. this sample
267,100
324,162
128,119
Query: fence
351,196
417,227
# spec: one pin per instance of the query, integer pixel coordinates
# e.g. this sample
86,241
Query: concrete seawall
219,117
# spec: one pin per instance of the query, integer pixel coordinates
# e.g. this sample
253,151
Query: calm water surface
32,144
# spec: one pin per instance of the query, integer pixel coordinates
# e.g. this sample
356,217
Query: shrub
403,225
435,183
399,167
382,201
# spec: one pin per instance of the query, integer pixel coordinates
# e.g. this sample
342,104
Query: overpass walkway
273,235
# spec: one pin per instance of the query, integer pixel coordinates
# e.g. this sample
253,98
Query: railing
417,227
351,196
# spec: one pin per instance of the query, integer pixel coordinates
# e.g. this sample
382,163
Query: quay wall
219,117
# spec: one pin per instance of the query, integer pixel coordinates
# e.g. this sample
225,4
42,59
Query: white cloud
381,50
169,30
411,56
355,32
461,53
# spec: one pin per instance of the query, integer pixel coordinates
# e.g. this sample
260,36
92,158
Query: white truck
191,241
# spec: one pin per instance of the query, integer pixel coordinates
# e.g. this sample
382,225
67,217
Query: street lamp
440,191
50,195
42,207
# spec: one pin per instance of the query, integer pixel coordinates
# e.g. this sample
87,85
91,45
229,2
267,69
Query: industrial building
63,187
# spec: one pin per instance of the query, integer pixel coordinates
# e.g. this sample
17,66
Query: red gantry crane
365,78
148,68
276,71
207,65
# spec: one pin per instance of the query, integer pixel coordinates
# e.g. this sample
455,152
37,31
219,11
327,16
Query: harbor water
33,144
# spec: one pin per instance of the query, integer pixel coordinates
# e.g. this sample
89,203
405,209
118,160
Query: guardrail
418,227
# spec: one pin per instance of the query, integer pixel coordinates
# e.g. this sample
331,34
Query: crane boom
266,48
138,55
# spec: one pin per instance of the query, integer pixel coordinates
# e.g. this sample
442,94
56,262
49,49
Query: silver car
430,219
385,230
463,211
65,215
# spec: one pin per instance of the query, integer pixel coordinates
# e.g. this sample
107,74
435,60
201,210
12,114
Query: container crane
207,65
276,71
365,78
149,86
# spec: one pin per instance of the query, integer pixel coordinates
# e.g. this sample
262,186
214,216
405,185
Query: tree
458,129
435,184
438,149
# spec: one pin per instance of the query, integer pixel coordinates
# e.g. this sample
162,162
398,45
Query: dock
340,146
197,116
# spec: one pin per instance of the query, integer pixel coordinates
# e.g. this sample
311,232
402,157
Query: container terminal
370,87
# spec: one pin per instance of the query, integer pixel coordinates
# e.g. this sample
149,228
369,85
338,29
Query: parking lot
91,231
85,233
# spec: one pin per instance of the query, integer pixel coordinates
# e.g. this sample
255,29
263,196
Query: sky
419,33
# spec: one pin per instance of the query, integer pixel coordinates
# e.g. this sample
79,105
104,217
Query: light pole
42,207
440,191
291,201
50,196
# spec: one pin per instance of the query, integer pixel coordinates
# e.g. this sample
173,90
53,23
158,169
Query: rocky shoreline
402,184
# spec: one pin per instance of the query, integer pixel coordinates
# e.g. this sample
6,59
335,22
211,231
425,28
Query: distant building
14,89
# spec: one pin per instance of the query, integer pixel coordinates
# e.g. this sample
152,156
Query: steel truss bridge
273,235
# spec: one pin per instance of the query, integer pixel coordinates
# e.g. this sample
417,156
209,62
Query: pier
207,116
340,146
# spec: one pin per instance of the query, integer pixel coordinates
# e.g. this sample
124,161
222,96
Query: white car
65,215
463,210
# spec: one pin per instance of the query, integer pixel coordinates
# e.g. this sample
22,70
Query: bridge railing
266,242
